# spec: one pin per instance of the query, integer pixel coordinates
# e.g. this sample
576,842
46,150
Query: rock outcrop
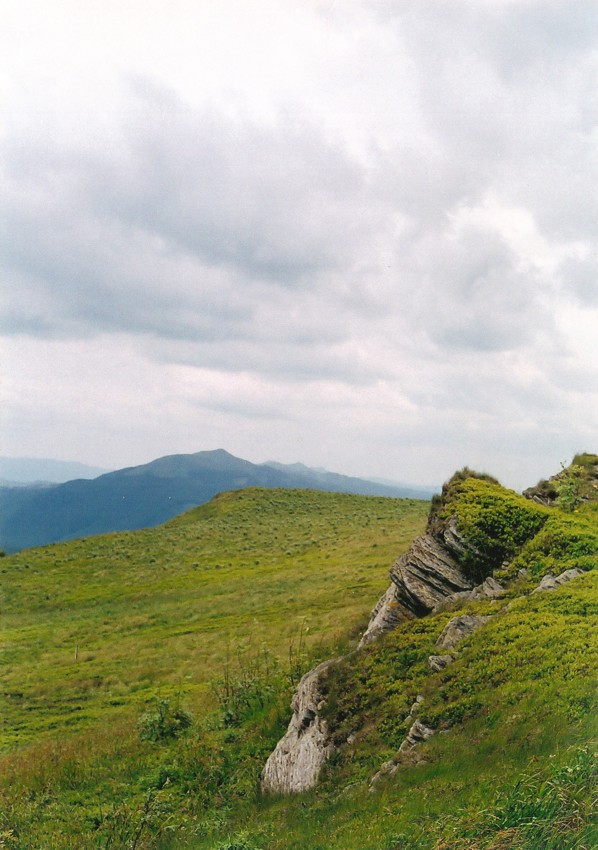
418,733
430,576
451,636
299,756
422,579
550,582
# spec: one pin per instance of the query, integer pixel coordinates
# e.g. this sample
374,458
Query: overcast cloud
357,234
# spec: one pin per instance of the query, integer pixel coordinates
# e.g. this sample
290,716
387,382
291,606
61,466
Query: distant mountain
29,470
147,495
342,483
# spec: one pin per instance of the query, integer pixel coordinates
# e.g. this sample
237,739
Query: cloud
366,219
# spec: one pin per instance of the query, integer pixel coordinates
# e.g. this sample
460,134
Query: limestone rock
439,662
458,629
299,756
550,582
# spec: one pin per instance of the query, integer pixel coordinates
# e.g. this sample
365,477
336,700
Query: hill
148,676
147,495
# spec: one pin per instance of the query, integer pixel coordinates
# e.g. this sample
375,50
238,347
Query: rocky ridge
427,579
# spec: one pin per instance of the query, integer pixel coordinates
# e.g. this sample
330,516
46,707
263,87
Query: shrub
569,486
163,722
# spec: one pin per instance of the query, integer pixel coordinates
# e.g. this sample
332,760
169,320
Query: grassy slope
93,629
515,766
517,706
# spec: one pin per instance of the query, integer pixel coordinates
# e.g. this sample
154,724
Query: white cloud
359,235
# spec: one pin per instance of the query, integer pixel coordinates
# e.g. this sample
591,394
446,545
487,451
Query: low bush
164,721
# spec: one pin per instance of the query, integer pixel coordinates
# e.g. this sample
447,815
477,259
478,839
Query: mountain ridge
150,494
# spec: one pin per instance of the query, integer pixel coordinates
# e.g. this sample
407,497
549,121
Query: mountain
333,482
30,470
147,495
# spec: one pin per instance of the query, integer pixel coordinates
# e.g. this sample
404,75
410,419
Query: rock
415,707
439,662
421,578
418,733
458,629
489,589
389,768
426,574
299,756
386,616
550,582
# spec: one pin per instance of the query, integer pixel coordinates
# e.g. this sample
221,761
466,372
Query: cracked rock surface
299,756
421,579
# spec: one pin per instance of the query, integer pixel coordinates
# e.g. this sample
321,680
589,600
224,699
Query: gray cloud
406,232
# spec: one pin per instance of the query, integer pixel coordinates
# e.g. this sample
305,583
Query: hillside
148,495
191,638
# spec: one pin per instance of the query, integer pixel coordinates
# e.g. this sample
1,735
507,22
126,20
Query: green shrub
495,522
569,487
163,722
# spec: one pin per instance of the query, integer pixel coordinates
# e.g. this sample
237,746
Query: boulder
439,662
459,628
550,582
299,756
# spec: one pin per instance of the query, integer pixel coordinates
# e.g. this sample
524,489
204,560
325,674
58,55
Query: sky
358,234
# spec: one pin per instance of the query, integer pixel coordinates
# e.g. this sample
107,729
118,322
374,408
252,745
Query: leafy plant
569,487
164,721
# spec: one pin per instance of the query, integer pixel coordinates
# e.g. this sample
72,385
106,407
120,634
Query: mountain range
29,470
150,494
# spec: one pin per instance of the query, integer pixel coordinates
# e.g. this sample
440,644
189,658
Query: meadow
146,677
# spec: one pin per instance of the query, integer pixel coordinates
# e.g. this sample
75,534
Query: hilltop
149,674
148,495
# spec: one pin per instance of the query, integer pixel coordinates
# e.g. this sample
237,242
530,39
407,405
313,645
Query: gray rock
439,662
418,733
386,616
415,707
550,582
389,768
299,756
421,579
458,629
489,589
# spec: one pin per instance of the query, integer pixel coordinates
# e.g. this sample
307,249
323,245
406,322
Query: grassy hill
146,677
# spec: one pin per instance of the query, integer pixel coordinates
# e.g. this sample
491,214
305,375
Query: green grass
212,617
91,628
